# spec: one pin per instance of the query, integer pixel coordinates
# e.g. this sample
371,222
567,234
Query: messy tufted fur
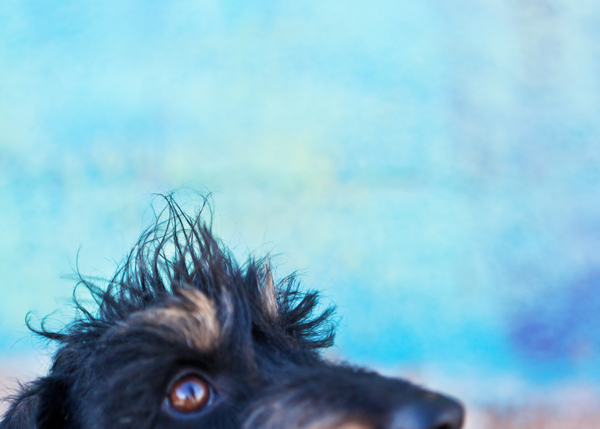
180,302
180,254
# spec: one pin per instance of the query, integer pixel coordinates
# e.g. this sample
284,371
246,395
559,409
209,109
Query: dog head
184,337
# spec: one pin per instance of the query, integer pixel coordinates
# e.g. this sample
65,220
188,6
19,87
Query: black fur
260,352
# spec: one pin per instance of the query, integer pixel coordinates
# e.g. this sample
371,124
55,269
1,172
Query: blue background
433,167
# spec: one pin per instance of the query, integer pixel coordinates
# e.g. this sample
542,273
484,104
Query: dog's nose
433,412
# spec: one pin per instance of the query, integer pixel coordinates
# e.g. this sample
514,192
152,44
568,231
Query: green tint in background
433,167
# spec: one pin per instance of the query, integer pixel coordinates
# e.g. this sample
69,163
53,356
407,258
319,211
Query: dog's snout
433,412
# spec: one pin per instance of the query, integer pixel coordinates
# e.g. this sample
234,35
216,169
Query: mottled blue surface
433,166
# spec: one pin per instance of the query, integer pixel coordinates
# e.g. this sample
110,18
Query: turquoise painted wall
433,166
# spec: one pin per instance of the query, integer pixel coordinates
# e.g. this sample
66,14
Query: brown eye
189,394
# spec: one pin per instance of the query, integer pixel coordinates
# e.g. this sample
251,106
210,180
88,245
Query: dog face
183,337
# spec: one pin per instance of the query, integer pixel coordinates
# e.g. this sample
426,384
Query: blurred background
433,167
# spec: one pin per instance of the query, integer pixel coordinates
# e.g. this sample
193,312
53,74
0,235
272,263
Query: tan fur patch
191,319
348,425
287,412
341,425
269,295
354,425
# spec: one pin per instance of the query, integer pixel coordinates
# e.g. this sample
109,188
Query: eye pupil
189,394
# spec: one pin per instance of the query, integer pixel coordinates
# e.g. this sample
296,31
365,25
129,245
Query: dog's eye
189,394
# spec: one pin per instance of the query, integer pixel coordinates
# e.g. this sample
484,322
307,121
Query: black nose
433,412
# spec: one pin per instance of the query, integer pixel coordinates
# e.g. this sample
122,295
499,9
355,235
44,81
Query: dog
185,337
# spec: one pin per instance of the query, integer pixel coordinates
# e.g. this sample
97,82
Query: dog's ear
40,404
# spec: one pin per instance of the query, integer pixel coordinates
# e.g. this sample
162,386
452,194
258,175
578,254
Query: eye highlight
189,394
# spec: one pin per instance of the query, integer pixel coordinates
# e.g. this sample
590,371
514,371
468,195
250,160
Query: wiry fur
180,302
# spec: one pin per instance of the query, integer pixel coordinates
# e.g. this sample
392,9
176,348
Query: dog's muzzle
347,398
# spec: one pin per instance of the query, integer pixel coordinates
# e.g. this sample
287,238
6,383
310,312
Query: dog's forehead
188,317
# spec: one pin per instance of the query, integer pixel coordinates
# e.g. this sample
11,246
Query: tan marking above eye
189,394
190,319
